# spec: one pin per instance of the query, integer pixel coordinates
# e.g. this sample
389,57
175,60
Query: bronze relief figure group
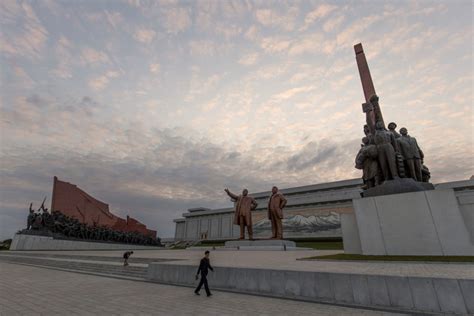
244,204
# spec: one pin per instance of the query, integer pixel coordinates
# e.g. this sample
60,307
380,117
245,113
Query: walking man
126,255
276,203
204,265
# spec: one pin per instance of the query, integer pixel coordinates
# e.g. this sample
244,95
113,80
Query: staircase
97,265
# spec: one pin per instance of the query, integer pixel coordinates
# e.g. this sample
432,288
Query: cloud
113,18
313,154
203,48
154,185
275,44
91,56
28,40
154,68
201,85
23,77
144,35
248,59
272,18
292,92
63,50
352,33
307,44
320,12
176,20
101,82
332,24
252,33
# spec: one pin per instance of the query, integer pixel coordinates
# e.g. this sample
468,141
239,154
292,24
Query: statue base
401,185
37,242
262,244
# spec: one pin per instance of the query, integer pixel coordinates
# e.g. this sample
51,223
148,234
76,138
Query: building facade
312,211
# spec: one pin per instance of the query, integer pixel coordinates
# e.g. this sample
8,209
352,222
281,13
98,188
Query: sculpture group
244,204
58,225
389,155
385,154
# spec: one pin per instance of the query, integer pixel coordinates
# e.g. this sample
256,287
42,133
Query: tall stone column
372,111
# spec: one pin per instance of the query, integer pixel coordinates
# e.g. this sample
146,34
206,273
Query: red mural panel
72,201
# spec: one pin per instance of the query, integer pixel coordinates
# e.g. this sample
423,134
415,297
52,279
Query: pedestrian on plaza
204,265
126,255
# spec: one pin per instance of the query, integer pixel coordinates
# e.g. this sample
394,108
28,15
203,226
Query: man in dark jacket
204,265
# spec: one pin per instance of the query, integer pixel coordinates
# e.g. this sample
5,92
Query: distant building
72,201
312,211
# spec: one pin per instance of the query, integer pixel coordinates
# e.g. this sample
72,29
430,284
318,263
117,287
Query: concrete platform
34,242
411,294
411,287
262,244
39,291
430,223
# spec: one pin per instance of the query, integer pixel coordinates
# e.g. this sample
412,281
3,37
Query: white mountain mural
303,225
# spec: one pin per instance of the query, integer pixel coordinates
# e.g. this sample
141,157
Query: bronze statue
412,154
368,134
386,146
244,205
276,203
391,127
31,217
58,225
367,161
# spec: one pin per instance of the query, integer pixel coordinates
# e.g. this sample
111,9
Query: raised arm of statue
232,195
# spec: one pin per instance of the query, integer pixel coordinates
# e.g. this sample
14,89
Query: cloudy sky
156,106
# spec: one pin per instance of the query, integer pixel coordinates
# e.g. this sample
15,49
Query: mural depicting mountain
303,224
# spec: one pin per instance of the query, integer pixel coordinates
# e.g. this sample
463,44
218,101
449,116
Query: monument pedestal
262,244
397,186
35,242
431,222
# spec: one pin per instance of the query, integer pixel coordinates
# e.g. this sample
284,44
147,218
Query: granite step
84,257
130,271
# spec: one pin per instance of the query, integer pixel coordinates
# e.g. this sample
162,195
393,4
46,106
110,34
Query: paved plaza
28,290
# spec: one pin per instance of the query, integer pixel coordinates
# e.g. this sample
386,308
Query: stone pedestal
417,223
35,242
400,185
262,244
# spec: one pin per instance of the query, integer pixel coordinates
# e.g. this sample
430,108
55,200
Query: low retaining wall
32,242
402,293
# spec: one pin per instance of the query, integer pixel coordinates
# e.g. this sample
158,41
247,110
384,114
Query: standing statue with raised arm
31,217
244,205
276,203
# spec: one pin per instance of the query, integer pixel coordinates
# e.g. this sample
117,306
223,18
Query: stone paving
27,290
287,260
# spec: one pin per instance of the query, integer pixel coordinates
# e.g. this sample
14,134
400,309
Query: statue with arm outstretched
244,204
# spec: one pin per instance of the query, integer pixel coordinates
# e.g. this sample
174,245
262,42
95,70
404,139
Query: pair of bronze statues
244,204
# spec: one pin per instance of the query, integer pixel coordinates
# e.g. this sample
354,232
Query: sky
155,107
